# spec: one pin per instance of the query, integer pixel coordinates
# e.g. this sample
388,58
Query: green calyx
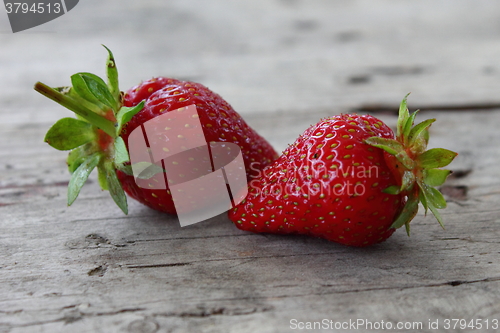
416,168
93,137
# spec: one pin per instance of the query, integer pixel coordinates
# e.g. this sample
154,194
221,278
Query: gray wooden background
283,64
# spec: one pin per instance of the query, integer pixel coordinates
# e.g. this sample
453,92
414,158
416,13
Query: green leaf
115,188
112,74
423,200
426,136
80,87
407,227
392,190
69,133
419,143
408,213
408,126
404,115
435,177
127,169
121,153
391,146
418,129
437,215
77,156
407,162
434,200
101,177
146,170
70,92
92,88
436,158
408,181
79,177
74,105
125,114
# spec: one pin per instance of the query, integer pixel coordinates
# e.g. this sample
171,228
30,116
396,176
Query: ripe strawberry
349,180
106,117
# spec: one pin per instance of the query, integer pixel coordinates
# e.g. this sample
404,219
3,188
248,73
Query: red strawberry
349,180
106,117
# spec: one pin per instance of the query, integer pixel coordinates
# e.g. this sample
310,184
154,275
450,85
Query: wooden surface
282,64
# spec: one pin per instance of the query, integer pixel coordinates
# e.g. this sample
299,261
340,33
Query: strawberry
98,137
348,179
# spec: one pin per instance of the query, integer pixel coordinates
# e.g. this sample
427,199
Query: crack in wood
386,71
72,317
397,70
99,271
468,239
31,186
194,237
202,312
92,241
456,174
453,283
227,259
383,108
457,192
160,265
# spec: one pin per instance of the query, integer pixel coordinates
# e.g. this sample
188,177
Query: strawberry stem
68,102
94,137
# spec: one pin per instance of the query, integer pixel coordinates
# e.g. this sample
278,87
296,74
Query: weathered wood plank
283,65
303,56
72,265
